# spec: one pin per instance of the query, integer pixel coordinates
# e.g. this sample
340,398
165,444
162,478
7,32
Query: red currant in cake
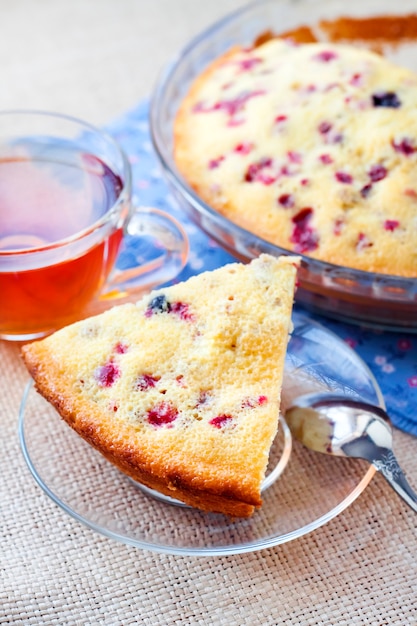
106,375
163,414
220,421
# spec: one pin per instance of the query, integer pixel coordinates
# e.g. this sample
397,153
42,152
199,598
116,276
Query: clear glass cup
65,213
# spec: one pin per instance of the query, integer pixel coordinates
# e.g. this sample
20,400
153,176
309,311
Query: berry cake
312,146
180,391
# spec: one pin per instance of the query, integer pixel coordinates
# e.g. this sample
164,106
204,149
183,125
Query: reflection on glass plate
310,491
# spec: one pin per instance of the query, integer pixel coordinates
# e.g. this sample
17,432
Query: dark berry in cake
303,235
405,146
366,190
286,200
377,172
386,99
146,381
391,225
159,304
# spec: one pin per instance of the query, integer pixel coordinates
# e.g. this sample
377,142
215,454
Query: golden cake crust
185,401
313,147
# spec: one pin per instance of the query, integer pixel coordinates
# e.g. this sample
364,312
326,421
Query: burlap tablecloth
360,568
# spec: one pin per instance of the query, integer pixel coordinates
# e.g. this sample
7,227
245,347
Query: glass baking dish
380,300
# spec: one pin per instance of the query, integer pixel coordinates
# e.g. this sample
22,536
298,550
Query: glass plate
310,491
379,300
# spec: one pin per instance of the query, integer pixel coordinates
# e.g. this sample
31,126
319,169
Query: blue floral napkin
392,357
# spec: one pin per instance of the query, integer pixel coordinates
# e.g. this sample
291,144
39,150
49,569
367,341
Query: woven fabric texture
358,569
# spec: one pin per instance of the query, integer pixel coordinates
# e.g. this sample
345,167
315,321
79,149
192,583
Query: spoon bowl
341,426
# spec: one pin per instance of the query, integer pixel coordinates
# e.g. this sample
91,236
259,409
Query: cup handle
170,243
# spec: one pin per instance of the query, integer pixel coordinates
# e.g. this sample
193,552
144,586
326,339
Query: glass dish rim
162,152
228,550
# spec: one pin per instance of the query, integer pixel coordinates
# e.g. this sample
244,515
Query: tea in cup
65,208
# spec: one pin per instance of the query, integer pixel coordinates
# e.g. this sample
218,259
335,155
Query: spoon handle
388,466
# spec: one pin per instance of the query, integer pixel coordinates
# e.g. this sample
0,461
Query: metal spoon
344,427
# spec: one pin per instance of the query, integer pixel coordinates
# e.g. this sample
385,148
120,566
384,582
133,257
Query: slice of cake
180,391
